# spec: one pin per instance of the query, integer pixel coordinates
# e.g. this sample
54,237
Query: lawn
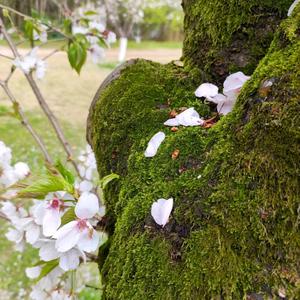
69,96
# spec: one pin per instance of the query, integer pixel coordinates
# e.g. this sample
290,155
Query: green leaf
68,26
65,173
47,268
29,28
51,183
77,53
107,179
68,216
90,13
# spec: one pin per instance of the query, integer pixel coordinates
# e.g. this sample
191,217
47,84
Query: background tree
234,229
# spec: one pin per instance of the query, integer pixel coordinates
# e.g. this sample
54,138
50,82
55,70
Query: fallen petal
154,144
161,210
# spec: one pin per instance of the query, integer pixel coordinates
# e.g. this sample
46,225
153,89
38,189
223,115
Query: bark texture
234,230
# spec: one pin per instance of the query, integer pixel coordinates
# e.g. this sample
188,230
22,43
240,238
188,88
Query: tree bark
234,229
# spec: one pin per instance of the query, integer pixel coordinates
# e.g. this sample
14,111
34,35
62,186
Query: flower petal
67,237
48,251
207,90
70,260
33,272
161,210
235,81
87,206
172,122
154,144
51,221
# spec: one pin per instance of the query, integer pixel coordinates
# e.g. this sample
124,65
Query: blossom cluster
93,27
10,174
60,226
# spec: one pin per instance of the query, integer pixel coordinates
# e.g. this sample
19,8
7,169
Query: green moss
234,229
220,35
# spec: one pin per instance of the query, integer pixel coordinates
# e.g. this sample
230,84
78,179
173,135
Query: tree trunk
123,49
234,229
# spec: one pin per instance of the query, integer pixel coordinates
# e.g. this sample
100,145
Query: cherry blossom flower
50,211
154,144
187,118
31,62
97,25
16,236
77,29
161,210
21,170
111,38
97,53
42,35
80,232
293,6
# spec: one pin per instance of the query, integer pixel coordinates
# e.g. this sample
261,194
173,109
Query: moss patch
224,36
234,230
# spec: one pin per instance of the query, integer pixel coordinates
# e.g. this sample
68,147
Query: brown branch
42,102
25,121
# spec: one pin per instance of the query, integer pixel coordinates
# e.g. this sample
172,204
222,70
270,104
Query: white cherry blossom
97,53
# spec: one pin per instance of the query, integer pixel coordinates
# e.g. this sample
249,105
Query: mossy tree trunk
234,230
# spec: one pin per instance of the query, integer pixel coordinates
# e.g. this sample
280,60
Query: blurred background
150,29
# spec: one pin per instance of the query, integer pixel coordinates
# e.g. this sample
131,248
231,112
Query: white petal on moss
33,272
154,144
225,108
207,90
293,6
87,206
161,210
189,118
172,122
235,82
219,98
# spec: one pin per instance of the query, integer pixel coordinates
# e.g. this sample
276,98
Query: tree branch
42,102
25,121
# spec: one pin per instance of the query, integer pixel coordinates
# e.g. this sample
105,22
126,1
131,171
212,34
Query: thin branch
92,257
3,216
6,56
43,104
25,121
51,54
12,71
32,19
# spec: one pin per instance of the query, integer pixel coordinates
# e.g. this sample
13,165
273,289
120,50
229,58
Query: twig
25,121
51,54
12,71
43,104
32,19
92,257
6,56
4,217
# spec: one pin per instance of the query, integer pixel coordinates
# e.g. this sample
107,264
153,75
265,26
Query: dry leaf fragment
175,154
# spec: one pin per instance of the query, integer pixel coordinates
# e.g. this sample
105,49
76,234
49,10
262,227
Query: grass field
69,96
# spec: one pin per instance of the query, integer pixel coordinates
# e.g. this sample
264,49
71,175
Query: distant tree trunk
234,229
